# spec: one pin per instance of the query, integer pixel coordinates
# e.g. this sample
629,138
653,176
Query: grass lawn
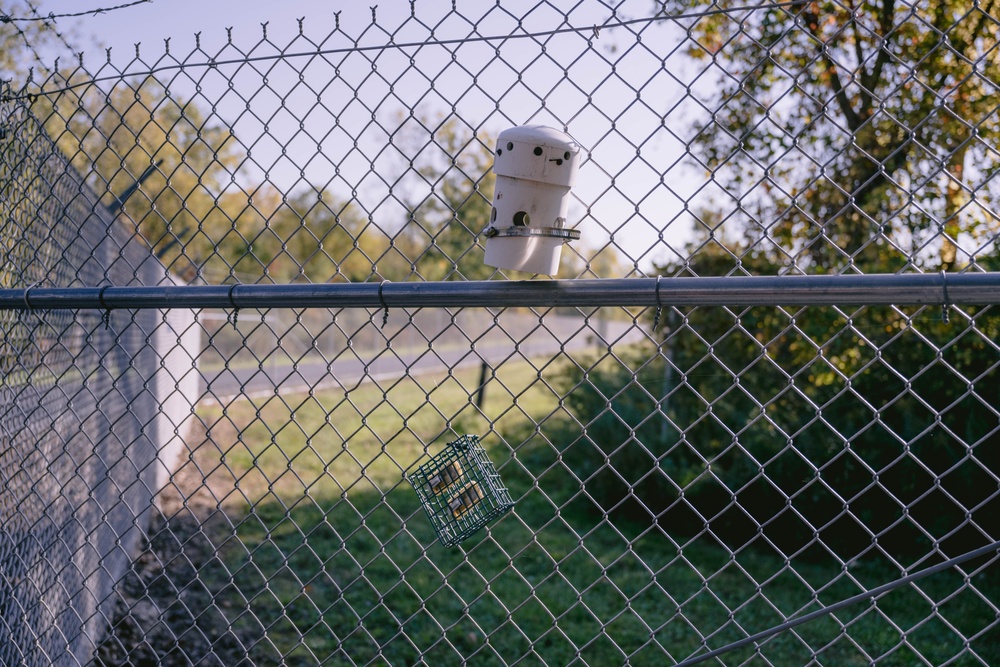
338,563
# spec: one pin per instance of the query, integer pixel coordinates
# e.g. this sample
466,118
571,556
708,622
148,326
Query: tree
856,127
22,43
455,166
854,134
582,261
189,207
793,423
139,128
314,236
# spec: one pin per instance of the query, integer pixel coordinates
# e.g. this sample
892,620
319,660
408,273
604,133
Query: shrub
797,424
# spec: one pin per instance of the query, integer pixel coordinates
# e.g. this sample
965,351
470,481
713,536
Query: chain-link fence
247,323
89,424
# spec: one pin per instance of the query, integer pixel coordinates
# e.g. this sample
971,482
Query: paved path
351,367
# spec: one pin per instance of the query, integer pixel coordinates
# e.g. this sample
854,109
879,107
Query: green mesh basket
460,490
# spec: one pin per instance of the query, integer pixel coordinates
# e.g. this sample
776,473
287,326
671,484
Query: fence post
484,369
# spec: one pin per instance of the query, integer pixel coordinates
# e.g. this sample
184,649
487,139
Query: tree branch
885,25
855,28
843,101
984,15
960,45
866,93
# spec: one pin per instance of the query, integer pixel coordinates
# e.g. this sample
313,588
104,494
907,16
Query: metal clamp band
545,232
27,290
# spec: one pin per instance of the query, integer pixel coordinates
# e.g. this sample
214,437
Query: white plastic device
535,167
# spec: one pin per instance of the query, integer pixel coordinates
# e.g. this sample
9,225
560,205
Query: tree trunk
955,200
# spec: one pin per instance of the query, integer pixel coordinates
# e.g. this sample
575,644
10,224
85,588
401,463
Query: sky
309,120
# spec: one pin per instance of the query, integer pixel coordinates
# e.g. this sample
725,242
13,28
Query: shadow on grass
353,577
174,606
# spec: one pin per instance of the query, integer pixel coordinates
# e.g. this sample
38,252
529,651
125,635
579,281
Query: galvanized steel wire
243,300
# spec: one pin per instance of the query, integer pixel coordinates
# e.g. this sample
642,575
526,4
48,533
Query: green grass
245,358
339,564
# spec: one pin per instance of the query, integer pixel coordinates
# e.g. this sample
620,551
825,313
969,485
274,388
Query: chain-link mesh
236,486
85,415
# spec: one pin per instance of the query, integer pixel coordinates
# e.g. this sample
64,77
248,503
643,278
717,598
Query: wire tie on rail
235,308
106,315
27,303
946,302
659,306
385,306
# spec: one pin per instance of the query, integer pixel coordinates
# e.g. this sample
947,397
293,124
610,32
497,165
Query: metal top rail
872,289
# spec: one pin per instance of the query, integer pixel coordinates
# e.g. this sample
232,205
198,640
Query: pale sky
638,198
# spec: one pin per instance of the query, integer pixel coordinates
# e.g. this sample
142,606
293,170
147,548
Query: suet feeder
460,490
535,169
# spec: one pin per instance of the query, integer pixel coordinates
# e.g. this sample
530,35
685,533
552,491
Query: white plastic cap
537,153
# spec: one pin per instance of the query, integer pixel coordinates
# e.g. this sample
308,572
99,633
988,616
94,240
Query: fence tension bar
872,594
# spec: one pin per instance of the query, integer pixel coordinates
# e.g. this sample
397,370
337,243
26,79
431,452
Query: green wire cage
460,490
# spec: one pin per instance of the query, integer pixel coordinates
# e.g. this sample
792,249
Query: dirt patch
177,604
166,613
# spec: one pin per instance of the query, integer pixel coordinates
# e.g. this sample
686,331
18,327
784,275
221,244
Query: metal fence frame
153,509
